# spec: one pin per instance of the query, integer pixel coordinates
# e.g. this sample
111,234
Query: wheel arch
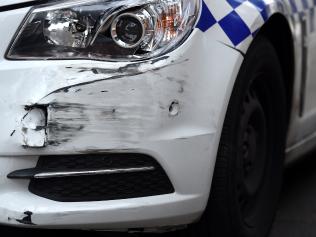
278,31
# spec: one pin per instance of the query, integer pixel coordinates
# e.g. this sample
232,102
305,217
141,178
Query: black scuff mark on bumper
238,50
57,142
63,129
66,88
122,72
159,59
66,121
27,219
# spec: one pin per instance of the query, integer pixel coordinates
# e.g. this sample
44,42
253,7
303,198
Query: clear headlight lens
105,29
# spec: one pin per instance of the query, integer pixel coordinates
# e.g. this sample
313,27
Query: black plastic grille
100,187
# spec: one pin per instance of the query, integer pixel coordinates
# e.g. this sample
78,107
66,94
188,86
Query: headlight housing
105,29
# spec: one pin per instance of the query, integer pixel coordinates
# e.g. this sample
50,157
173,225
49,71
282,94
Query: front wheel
248,172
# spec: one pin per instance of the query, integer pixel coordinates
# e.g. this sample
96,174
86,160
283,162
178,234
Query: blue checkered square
261,6
293,6
235,3
207,20
231,23
305,4
235,28
231,16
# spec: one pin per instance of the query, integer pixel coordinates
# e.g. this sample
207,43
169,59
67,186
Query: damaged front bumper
170,108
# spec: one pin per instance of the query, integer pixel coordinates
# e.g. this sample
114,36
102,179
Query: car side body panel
235,23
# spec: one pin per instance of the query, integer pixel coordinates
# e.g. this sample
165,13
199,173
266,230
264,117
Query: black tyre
248,172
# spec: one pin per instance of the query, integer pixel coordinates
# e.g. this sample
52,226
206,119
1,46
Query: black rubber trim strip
23,174
23,5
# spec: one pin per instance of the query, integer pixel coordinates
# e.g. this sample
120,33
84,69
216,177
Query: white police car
153,115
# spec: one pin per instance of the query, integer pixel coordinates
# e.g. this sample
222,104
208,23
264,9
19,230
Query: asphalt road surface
296,216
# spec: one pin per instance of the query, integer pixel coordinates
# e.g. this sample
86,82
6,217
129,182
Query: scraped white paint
33,128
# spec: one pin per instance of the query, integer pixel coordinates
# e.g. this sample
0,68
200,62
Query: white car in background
153,115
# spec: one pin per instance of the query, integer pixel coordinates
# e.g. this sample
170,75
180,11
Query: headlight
104,29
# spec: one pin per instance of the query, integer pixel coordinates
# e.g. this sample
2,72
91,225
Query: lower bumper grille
138,176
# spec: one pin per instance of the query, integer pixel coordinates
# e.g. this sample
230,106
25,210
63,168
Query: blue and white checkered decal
239,20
